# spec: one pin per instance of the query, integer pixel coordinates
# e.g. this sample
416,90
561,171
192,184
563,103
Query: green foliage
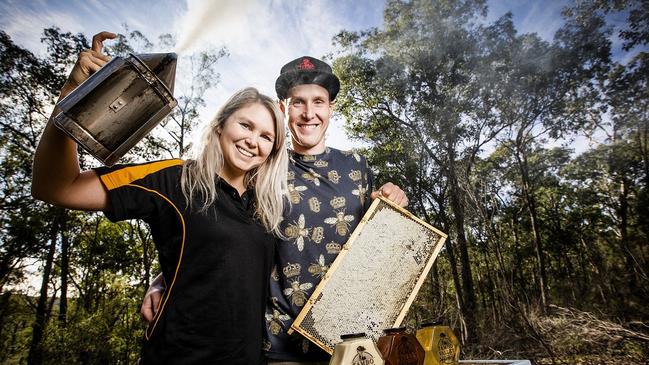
26,85
469,117
95,271
110,334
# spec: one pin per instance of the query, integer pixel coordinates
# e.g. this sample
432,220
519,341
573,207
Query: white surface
508,362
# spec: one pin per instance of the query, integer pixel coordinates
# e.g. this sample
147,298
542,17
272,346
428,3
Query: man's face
309,113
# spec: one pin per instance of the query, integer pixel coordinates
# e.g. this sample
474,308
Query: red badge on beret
306,65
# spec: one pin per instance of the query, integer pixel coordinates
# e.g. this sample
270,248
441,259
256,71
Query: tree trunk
65,269
467,279
146,259
35,356
532,210
5,299
518,266
643,145
459,297
623,214
490,284
435,288
596,261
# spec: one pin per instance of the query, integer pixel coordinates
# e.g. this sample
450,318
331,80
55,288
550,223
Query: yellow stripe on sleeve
127,175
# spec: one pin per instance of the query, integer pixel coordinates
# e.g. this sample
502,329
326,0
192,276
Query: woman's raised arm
56,176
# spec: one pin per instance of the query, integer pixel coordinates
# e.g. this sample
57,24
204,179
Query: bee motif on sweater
297,292
354,153
295,193
341,221
297,231
319,269
313,177
276,321
360,193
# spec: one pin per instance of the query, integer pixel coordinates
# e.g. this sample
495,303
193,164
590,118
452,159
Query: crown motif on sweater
337,202
333,247
292,270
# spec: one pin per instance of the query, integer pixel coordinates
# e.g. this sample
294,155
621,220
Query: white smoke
205,17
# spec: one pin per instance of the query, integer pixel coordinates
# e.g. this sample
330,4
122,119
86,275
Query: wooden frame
335,305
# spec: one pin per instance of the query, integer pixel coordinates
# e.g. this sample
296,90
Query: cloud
540,17
263,35
212,20
25,25
544,19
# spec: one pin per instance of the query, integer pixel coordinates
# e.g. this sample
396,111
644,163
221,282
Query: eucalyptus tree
52,236
626,159
418,89
551,93
29,229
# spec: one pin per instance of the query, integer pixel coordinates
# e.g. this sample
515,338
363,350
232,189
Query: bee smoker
119,104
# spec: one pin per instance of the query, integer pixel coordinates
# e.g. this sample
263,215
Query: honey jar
356,349
441,347
399,347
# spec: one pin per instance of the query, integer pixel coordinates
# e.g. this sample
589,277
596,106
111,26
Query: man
329,192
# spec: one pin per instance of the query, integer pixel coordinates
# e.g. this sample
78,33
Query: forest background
548,250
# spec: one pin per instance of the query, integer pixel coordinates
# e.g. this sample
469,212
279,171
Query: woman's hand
89,62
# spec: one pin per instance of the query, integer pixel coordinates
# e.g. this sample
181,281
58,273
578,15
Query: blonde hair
268,179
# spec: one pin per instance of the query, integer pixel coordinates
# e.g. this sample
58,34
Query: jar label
446,351
362,357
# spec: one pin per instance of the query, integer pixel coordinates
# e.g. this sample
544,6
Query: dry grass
594,360
561,336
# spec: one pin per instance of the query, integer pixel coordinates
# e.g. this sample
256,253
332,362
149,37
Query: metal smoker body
119,104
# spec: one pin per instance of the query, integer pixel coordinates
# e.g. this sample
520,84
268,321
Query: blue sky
261,35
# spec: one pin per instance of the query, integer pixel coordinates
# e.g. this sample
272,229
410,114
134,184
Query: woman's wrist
67,88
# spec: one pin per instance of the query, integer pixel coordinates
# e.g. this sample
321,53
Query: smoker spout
163,65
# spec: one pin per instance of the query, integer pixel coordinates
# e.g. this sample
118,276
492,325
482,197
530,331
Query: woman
213,218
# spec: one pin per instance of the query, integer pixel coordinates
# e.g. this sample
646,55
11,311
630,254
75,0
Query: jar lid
352,335
431,324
